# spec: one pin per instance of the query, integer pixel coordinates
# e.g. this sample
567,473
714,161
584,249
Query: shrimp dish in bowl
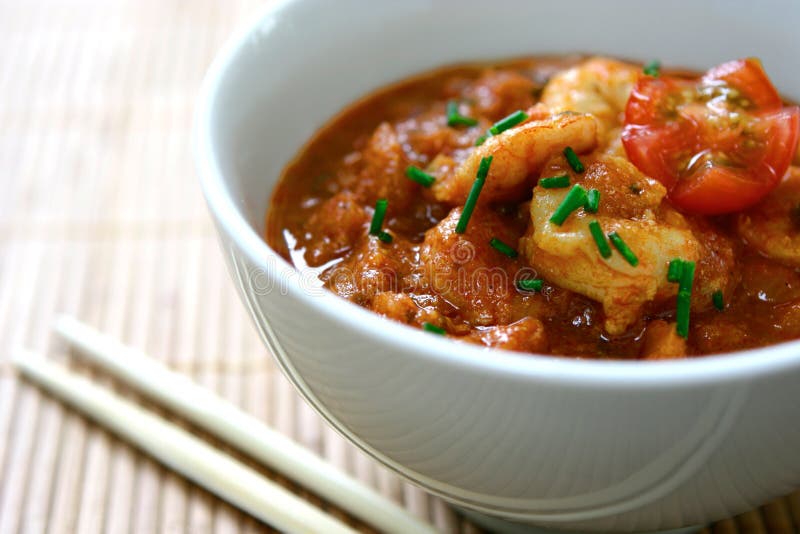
571,205
558,290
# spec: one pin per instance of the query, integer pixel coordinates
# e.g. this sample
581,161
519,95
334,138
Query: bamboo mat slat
101,217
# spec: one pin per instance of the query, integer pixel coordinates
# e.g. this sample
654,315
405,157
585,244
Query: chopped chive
421,177
683,305
481,139
623,248
483,168
386,237
432,328
573,160
454,118
508,122
687,276
377,217
554,182
592,201
675,270
575,199
600,239
472,199
682,313
530,284
683,272
718,300
501,247
653,68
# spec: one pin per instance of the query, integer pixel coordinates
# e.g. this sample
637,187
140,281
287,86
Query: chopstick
248,434
226,477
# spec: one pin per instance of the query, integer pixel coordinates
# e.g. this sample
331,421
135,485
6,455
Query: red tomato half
719,144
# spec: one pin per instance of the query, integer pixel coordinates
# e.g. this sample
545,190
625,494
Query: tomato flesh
719,144
748,76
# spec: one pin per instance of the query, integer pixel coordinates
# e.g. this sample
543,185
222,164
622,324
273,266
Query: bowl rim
712,369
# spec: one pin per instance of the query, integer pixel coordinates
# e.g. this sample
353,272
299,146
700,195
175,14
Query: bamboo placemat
101,217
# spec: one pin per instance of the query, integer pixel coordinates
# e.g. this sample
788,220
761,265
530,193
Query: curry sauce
478,285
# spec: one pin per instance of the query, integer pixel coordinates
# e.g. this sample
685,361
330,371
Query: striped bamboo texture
101,217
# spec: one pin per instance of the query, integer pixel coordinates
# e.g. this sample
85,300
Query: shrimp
518,154
631,205
773,225
465,271
662,342
498,93
598,86
353,220
381,170
402,308
525,335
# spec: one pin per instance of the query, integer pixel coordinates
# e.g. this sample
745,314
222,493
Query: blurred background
101,217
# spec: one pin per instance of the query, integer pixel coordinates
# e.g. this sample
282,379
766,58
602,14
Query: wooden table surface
101,217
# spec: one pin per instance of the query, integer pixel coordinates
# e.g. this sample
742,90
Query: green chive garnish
623,248
687,276
432,328
592,201
377,217
653,68
386,237
682,313
454,118
685,298
501,247
600,239
472,199
675,270
531,284
481,139
421,177
554,182
508,122
718,300
575,199
483,167
573,160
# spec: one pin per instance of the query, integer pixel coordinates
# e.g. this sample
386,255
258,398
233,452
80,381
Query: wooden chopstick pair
186,454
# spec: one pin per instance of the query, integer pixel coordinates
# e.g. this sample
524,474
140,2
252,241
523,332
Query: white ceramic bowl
574,444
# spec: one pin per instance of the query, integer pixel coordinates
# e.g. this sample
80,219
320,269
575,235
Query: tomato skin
649,142
716,190
719,190
647,96
719,144
784,141
650,151
748,76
